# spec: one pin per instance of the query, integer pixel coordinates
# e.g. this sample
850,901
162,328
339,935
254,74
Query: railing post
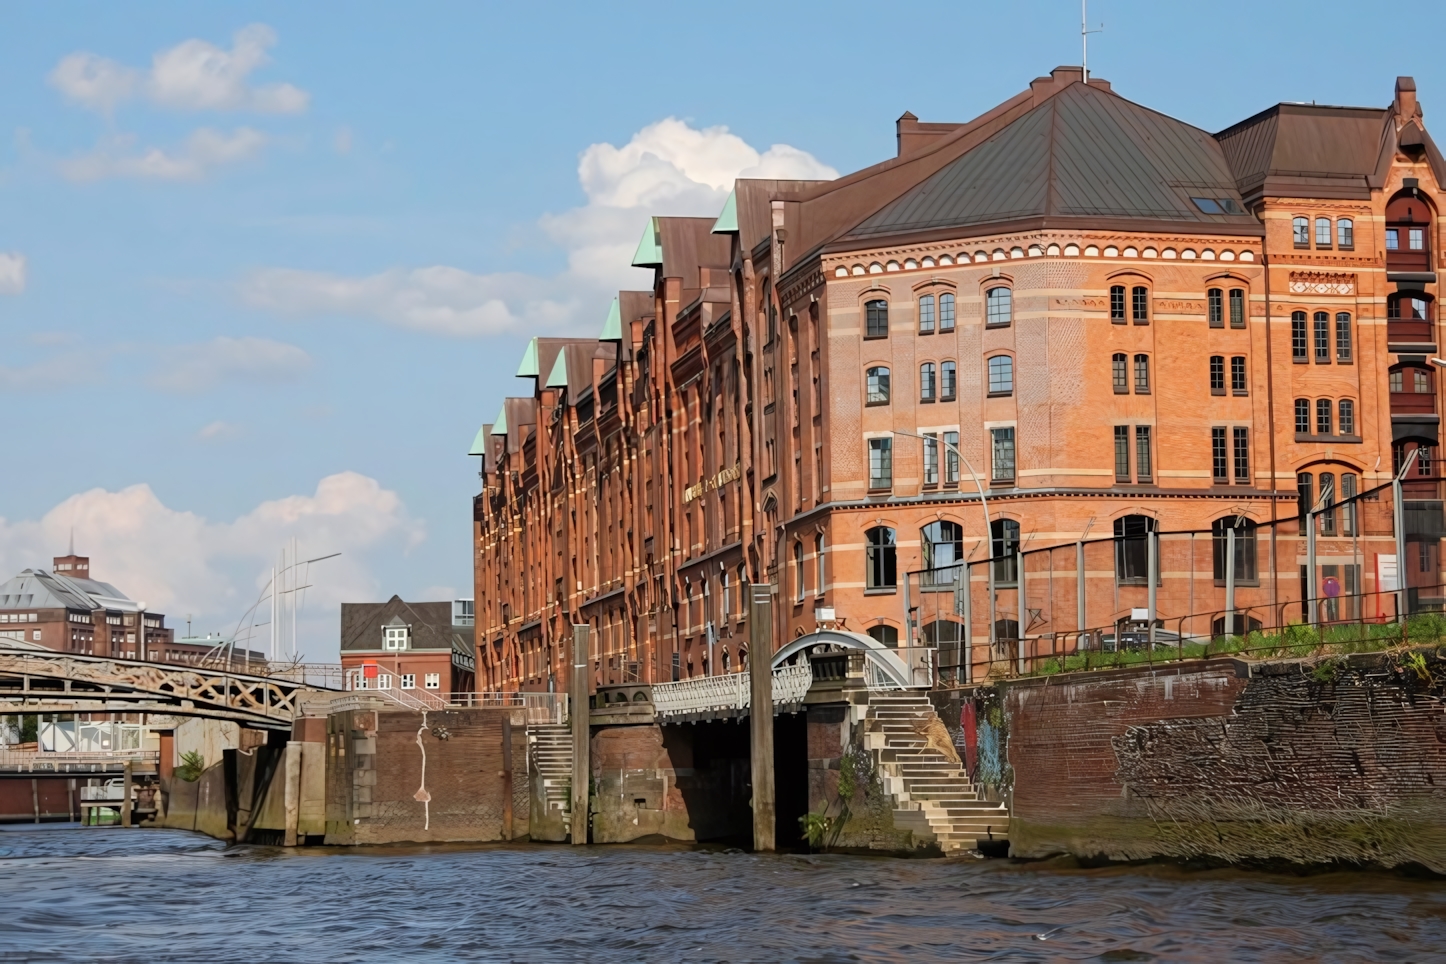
1152,575
1022,605
1310,588
965,609
1397,496
581,734
1079,592
760,713
1230,579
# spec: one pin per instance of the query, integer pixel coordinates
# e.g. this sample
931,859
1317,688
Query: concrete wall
1298,762
843,783
200,806
409,776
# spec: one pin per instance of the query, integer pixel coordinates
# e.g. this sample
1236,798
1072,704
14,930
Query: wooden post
35,797
507,776
760,713
292,799
580,707
126,785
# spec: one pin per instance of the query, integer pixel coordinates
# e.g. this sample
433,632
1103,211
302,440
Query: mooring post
760,713
291,799
580,708
126,785
507,776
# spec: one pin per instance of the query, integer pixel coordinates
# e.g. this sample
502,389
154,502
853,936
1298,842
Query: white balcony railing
43,761
730,693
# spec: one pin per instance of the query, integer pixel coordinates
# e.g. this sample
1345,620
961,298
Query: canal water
91,894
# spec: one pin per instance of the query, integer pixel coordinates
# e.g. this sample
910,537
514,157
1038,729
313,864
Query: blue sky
265,268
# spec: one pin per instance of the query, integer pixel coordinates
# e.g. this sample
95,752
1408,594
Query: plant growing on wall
192,766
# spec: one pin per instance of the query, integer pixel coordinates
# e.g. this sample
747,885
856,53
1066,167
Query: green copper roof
499,427
727,222
613,327
479,444
557,378
650,248
528,368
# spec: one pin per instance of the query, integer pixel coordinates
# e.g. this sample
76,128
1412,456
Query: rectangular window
409,681
1001,375
1323,416
1141,305
1120,366
1298,347
1345,233
1237,308
877,318
1002,468
818,558
1302,416
1418,239
948,381
1300,232
931,459
1142,453
951,458
1237,375
434,681
1322,338
1393,239
1219,458
1348,511
1216,299
384,681
1217,374
1117,304
881,463
1242,456
946,312
1347,421
1322,232
1343,336
1142,374
1122,453
926,315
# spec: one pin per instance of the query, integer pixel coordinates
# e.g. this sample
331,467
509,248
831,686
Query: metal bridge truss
36,682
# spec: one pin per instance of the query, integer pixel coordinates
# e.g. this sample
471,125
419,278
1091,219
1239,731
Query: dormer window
396,638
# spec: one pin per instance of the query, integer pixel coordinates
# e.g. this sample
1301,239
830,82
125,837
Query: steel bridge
51,682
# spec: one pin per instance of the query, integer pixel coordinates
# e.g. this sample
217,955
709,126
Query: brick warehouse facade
1117,319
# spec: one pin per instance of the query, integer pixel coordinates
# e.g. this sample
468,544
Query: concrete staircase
550,746
932,794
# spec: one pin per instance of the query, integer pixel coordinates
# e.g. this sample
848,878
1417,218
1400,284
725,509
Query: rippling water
151,895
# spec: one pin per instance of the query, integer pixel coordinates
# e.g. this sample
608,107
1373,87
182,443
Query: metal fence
1333,571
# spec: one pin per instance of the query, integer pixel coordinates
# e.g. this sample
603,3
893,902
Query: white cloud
74,367
193,75
12,273
181,563
203,151
217,430
207,365
668,168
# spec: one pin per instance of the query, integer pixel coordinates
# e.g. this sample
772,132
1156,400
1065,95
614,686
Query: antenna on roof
1084,39
72,540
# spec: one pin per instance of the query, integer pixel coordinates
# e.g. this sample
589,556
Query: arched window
926,382
1345,233
998,307
942,543
926,315
1322,232
1140,305
1300,231
1215,299
1246,556
1408,219
1217,374
1302,416
1407,307
1237,307
1117,304
880,558
1299,344
818,566
1304,489
1004,543
1239,384
1322,338
946,312
1132,550
1120,370
876,318
1347,420
798,572
1343,336
1142,374
1001,375
878,385
1323,416
950,381
881,463
885,634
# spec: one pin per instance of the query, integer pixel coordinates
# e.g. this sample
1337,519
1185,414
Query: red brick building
67,610
1121,322
421,651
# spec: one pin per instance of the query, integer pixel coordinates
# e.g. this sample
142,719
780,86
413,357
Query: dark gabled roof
1084,153
431,624
1295,150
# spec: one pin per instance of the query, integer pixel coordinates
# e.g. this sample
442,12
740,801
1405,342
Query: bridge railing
728,694
44,761
323,675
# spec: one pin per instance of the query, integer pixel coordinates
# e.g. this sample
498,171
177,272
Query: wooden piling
292,798
507,777
579,705
760,713
126,785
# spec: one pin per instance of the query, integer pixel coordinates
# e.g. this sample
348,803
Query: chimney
72,565
1405,106
904,128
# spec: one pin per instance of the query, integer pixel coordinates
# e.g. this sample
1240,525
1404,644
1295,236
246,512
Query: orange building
1119,323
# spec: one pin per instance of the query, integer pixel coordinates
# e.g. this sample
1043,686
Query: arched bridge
51,682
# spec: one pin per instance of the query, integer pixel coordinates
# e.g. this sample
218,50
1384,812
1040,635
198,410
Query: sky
265,268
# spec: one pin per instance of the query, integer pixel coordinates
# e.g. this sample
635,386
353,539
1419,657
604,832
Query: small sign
369,670
823,614
1140,615
1386,572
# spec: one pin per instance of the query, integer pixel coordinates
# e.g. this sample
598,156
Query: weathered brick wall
843,783
1283,762
438,776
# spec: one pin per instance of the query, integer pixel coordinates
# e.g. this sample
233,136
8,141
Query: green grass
1289,642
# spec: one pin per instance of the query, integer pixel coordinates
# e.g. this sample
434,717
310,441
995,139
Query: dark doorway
790,778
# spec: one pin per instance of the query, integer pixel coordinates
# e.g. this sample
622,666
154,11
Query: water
150,895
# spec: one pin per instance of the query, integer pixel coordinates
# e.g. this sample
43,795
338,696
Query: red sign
369,670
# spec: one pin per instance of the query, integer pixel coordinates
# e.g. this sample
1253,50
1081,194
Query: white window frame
384,681
433,681
395,638
409,681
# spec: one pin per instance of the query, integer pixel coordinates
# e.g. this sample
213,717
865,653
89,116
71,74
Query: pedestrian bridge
33,681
